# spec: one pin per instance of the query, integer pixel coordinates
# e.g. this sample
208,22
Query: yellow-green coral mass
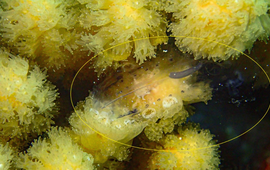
131,99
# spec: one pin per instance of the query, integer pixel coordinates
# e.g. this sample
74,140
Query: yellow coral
114,22
6,156
100,122
190,149
57,152
27,100
40,29
154,131
236,23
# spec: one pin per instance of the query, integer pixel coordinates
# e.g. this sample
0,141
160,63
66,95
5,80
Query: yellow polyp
157,41
97,145
191,153
92,142
127,9
213,6
99,158
57,151
26,99
219,26
14,103
109,55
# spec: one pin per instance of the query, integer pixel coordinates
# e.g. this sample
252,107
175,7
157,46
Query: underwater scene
134,84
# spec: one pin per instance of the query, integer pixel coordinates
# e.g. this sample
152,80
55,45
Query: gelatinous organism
131,113
182,74
143,85
233,84
216,68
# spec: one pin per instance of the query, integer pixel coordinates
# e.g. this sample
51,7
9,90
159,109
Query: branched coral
237,24
114,22
27,100
56,152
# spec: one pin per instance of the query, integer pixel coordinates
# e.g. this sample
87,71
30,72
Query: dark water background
240,100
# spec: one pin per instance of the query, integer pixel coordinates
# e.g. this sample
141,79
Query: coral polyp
191,148
6,156
111,23
41,30
201,25
58,151
98,132
27,100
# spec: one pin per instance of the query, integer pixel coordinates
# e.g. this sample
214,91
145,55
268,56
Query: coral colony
135,98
